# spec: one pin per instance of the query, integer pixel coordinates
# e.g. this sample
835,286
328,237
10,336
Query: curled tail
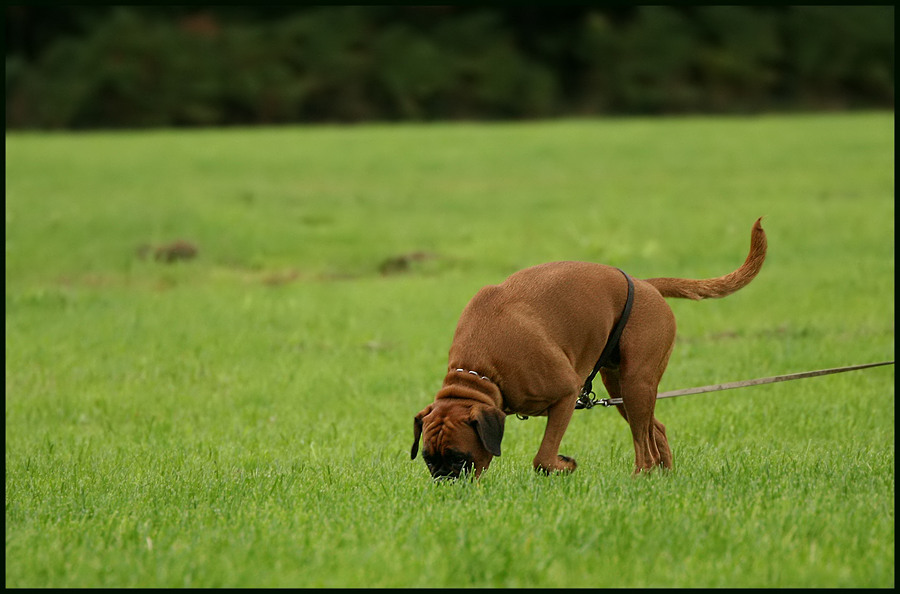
722,286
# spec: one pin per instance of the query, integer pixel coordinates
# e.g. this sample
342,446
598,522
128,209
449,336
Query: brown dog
525,346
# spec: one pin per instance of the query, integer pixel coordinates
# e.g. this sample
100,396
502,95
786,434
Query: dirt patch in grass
404,262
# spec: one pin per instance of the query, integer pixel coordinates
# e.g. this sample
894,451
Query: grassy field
245,418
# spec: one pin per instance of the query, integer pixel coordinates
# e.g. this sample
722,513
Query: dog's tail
722,286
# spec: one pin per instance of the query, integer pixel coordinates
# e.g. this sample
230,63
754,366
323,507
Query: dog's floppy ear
417,430
488,422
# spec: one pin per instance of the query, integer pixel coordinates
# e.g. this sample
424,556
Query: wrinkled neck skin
459,384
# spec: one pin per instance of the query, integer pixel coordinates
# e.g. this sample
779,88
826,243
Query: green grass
245,418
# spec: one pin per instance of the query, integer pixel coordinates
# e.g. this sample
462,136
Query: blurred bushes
136,67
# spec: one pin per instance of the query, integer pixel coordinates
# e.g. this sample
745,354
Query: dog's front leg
548,459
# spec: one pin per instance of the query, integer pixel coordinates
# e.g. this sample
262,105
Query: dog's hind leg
637,401
662,444
646,451
651,447
610,379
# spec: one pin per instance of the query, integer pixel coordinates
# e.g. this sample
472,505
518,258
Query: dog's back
539,331
555,318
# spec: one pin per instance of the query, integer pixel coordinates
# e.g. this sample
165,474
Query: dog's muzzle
449,466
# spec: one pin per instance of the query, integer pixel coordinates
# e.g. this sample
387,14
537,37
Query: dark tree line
87,67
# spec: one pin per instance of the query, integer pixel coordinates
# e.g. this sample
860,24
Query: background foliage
81,67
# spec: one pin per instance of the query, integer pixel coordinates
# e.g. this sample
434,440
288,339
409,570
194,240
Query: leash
591,402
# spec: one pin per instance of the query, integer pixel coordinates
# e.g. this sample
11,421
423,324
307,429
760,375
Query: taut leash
591,402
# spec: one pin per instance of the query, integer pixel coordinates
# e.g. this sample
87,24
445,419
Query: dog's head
460,437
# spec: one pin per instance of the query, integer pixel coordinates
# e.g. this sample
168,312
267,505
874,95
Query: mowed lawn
244,418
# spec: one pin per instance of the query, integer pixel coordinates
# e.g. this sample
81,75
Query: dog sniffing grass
201,425
533,340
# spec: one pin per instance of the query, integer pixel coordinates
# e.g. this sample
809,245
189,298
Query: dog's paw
564,464
568,464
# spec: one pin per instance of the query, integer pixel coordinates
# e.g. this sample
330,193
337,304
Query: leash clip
586,400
